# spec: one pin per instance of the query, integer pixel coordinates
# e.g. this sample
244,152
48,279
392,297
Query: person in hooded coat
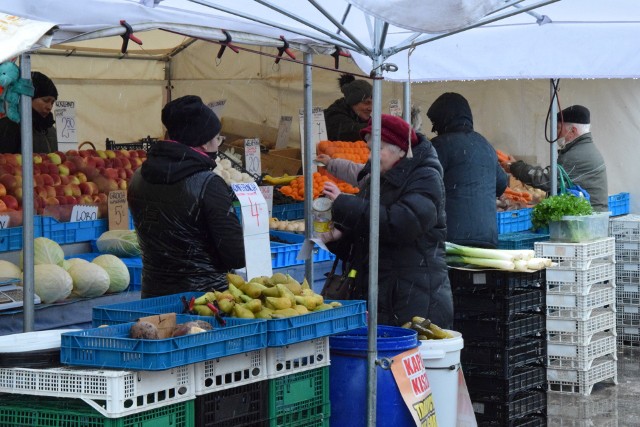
473,177
45,138
412,272
189,234
351,113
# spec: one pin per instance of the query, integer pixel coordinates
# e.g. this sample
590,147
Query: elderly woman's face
389,155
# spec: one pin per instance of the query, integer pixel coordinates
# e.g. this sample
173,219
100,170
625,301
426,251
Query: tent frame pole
307,159
553,147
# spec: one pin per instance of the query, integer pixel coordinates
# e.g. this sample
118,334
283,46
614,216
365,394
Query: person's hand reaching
331,190
506,165
323,158
330,236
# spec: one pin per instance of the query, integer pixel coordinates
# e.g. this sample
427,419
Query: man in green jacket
577,154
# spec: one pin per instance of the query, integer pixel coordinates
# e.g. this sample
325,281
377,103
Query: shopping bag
338,286
567,186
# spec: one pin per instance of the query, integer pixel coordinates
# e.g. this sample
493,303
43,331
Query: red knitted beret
394,131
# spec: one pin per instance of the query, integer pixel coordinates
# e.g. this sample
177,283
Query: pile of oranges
357,151
295,189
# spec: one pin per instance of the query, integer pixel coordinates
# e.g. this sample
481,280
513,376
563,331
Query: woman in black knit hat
45,138
349,114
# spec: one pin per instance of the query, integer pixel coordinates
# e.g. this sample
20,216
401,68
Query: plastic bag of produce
121,243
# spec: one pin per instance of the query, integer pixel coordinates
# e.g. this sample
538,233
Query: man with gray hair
577,154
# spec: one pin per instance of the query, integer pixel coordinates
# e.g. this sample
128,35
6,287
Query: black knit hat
354,91
575,114
190,122
43,86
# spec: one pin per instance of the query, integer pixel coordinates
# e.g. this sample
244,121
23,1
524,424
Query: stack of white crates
626,231
581,314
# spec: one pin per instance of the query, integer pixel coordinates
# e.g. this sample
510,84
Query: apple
37,159
142,153
62,199
41,192
70,153
3,207
7,168
3,190
122,183
122,153
19,159
88,188
52,169
110,154
47,179
56,180
101,154
81,177
74,179
135,163
116,163
9,181
100,198
75,190
63,170
71,166
64,180
55,158
126,163
52,201
51,191
17,193
85,199
70,200
84,153
11,159
79,162
10,201
38,181
129,173
111,173
133,153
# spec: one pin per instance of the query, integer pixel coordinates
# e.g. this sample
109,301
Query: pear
301,309
286,293
293,285
255,305
242,312
279,303
202,310
305,284
235,292
259,279
271,292
253,289
335,304
265,313
283,313
278,278
234,279
227,305
204,299
245,298
323,307
224,295
308,302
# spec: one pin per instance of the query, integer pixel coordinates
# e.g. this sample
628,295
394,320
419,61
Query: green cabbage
51,283
89,280
122,243
68,263
45,251
9,269
118,272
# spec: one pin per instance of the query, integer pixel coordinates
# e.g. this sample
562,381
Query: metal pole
374,234
553,148
26,131
406,101
307,160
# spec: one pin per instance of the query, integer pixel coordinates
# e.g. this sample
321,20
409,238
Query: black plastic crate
475,302
246,405
509,413
503,360
495,382
504,282
530,421
483,328
142,144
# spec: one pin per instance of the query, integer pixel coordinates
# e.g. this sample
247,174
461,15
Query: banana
279,180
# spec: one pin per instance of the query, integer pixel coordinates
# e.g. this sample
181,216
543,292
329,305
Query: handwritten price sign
252,156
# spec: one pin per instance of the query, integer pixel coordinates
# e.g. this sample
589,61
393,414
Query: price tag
217,106
118,210
252,159
81,213
65,113
267,193
318,129
394,108
255,229
4,221
284,128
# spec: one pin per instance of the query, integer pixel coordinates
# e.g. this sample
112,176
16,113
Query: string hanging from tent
409,52
554,98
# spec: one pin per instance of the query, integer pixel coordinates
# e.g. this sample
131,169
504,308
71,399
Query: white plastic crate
627,272
582,381
230,371
581,332
627,297
113,393
628,336
628,315
563,421
627,251
298,357
574,356
561,280
577,306
577,255
625,228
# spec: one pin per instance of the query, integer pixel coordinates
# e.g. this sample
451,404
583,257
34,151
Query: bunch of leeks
501,259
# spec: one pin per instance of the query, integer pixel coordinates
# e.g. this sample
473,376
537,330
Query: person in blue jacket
473,177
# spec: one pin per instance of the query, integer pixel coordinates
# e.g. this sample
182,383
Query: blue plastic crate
125,312
351,315
134,265
72,232
285,255
515,220
619,204
520,240
11,238
111,347
288,211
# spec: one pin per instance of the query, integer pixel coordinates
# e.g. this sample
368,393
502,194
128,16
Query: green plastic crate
300,399
17,410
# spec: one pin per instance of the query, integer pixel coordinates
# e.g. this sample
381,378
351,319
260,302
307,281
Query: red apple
62,199
71,166
3,207
64,180
71,200
100,198
17,193
84,153
116,163
7,168
3,190
40,192
126,163
85,199
8,180
11,159
81,177
52,201
111,173
51,191
88,188
133,154
122,153
129,173
52,169
74,180
70,153
38,181
47,179
10,201
56,180
142,153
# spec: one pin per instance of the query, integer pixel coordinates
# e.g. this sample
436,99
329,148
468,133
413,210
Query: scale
11,293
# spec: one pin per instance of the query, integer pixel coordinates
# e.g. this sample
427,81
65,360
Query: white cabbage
118,272
9,269
122,243
51,283
68,263
89,280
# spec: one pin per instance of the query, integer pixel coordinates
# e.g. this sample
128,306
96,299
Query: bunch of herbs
553,208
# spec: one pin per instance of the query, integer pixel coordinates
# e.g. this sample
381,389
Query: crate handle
86,143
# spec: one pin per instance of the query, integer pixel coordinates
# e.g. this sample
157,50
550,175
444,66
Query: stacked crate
501,317
626,232
581,314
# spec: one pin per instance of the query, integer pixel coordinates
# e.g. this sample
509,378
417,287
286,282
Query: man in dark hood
188,232
473,177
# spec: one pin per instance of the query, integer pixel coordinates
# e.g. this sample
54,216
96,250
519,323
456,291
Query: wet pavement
608,405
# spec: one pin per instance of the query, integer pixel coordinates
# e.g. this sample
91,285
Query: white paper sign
217,106
65,114
252,161
267,193
255,229
284,128
319,133
4,222
394,108
81,213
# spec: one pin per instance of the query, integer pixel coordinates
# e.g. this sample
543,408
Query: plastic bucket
348,378
441,359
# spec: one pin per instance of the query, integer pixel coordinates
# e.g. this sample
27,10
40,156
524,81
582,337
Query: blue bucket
348,373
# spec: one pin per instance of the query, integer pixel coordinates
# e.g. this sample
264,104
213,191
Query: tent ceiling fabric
533,38
429,16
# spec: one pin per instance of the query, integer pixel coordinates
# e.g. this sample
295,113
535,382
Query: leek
500,254
501,264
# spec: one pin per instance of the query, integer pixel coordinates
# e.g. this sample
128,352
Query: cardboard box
278,162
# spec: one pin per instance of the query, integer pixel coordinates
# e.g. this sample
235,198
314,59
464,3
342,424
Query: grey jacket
584,164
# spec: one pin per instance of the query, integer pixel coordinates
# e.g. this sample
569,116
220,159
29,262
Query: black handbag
338,286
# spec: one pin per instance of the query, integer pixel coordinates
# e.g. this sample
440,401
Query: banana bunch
278,180
426,329
274,297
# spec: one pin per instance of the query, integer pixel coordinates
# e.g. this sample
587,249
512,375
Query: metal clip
284,49
225,44
337,54
128,35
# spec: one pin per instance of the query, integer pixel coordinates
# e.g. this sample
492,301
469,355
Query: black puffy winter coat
343,124
473,177
412,272
188,232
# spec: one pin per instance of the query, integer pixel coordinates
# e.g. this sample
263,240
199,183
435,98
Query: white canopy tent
524,39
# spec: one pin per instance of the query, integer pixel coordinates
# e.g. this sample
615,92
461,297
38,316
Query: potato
144,330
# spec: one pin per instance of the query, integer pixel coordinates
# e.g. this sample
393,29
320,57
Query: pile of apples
62,180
